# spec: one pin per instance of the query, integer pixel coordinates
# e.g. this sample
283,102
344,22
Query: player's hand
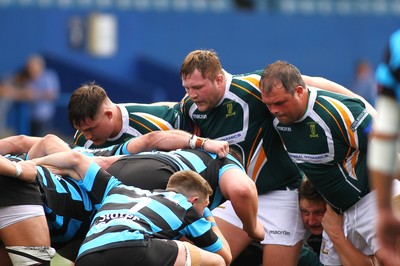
29,171
332,223
221,148
64,172
258,234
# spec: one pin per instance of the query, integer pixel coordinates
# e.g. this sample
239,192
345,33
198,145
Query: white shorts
14,214
359,226
279,213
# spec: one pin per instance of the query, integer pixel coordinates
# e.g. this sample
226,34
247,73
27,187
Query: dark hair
281,73
205,61
308,192
85,102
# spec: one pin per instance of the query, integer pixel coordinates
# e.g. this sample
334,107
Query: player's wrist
203,142
207,212
18,169
192,141
196,142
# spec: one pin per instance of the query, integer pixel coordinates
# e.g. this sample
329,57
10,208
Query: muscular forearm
333,227
159,140
7,167
348,254
17,144
71,162
49,144
24,170
225,251
172,140
169,140
244,198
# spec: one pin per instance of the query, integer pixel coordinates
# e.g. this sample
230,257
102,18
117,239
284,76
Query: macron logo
279,232
199,116
287,129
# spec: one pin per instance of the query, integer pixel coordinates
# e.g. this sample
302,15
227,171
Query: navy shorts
154,252
17,192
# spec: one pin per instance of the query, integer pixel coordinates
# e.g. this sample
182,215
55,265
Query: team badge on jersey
229,110
313,129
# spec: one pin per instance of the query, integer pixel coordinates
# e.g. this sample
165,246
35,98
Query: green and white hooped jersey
329,144
242,119
138,119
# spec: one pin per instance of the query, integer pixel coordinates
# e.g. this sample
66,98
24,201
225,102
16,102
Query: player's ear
300,90
193,200
108,113
219,79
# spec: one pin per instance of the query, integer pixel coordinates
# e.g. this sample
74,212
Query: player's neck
118,120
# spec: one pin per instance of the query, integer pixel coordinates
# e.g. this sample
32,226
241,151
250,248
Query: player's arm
24,170
49,144
240,189
225,251
169,104
349,255
175,139
329,85
17,144
383,169
382,152
72,163
33,146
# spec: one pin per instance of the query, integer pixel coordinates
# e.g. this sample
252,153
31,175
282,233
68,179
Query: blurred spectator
364,83
45,87
33,85
12,89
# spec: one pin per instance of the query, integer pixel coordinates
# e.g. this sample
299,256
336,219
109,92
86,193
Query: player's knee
27,255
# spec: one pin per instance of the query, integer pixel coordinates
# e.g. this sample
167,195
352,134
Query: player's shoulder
250,78
330,97
142,107
245,85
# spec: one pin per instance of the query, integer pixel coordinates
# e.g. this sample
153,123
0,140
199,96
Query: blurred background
134,48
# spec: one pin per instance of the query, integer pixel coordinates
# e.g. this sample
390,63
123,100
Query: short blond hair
190,184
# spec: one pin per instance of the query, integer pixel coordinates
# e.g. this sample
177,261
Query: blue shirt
127,215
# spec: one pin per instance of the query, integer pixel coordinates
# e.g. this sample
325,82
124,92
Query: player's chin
98,142
316,231
202,106
282,120
285,120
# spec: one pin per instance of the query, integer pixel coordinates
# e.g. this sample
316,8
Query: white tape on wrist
192,142
382,155
388,120
18,169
